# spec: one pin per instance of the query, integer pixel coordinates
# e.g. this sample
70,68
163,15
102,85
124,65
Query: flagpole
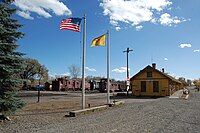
108,67
83,63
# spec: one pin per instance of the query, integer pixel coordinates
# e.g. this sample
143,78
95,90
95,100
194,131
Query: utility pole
127,74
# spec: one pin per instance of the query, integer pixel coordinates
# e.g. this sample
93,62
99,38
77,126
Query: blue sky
166,32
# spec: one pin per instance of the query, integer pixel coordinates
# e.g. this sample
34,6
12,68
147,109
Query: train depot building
153,82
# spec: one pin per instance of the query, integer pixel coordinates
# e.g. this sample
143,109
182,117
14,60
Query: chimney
163,70
154,65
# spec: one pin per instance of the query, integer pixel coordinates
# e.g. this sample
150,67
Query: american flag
71,24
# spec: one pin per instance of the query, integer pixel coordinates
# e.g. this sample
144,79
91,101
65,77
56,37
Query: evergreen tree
10,60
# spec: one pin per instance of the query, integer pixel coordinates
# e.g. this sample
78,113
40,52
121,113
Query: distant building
153,82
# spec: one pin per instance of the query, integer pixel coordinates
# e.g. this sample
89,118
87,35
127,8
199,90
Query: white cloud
90,69
138,28
154,20
117,28
42,8
25,15
183,45
197,50
65,74
135,12
165,59
120,70
55,75
173,75
167,20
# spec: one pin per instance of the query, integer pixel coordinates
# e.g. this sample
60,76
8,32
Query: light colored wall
163,84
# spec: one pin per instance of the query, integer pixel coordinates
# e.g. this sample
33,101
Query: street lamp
127,74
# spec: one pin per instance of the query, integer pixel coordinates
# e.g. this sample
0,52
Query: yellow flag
99,41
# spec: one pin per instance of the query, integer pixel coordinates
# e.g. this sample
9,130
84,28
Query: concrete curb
115,103
93,109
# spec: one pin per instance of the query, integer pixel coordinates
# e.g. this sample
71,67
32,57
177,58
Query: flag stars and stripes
71,24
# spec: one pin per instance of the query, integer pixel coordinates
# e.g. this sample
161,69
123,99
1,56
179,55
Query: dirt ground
58,101
50,102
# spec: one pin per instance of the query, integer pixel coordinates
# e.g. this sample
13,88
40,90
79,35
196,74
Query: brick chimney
154,65
163,70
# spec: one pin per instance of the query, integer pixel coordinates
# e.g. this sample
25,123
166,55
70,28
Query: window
149,74
155,86
143,86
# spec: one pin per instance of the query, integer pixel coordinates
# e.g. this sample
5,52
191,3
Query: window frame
149,74
143,86
155,86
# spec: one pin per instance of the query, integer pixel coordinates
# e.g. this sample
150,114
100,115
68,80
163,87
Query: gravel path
162,115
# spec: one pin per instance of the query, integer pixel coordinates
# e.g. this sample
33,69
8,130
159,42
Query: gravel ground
162,115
